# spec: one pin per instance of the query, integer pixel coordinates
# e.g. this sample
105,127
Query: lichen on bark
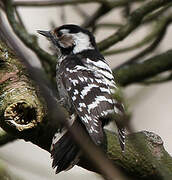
18,106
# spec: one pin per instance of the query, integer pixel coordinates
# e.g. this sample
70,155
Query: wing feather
91,99
90,92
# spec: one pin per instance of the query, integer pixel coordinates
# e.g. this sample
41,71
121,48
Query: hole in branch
21,115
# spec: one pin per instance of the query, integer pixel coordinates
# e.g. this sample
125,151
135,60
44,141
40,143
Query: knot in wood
154,138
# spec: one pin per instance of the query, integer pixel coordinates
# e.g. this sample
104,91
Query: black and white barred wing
99,64
90,97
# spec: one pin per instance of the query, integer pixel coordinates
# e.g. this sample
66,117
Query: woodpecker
86,86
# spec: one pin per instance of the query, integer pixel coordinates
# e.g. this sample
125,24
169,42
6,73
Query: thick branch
149,68
158,80
21,110
144,154
144,157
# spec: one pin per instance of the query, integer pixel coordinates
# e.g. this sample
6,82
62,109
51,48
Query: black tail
64,151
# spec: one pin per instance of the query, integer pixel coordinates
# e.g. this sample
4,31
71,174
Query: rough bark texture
22,110
144,156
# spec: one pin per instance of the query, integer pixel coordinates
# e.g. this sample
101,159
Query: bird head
70,39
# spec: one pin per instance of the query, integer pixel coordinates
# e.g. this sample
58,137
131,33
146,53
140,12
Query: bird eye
59,33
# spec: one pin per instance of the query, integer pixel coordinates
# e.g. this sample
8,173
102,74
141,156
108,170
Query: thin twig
55,2
137,45
157,14
91,21
63,15
81,12
151,47
106,25
29,40
126,10
116,3
102,10
134,20
19,18
158,29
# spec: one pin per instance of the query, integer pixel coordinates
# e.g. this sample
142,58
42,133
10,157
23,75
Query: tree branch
116,3
21,109
5,138
104,9
156,30
163,23
56,2
158,80
146,163
153,16
30,41
149,68
134,20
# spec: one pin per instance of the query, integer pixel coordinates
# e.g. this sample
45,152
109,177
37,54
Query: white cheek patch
64,31
82,42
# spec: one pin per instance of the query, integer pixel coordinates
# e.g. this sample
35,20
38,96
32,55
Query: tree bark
22,110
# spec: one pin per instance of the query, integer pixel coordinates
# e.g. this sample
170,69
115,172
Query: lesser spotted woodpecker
86,86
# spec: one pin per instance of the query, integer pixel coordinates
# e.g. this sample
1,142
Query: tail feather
121,118
121,136
59,155
63,152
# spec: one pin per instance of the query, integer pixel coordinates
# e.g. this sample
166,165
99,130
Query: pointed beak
44,33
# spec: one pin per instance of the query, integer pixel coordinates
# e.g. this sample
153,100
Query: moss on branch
17,92
144,156
22,110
